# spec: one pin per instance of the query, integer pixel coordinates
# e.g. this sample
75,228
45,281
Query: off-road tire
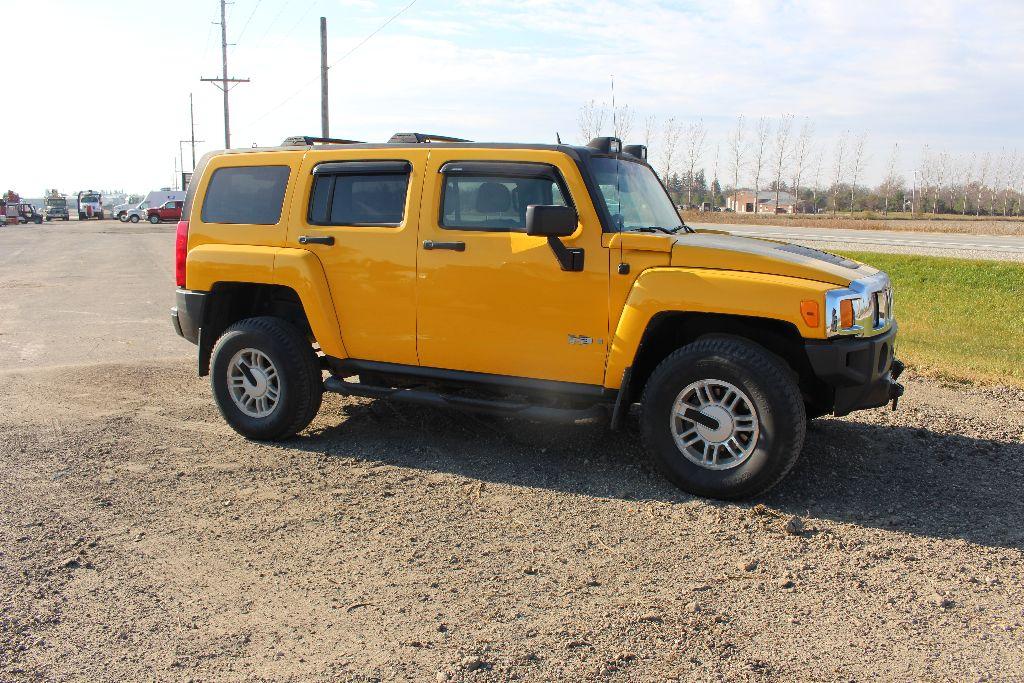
298,368
776,400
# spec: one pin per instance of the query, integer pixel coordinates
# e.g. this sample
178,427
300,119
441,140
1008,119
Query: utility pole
223,81
324,117
192,124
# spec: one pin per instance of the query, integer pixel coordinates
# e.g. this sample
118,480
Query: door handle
454,246
304,239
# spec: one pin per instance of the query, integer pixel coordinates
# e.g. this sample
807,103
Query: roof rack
301,140
422,138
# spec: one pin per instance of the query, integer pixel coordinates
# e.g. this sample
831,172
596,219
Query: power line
335,63
246,24
224,80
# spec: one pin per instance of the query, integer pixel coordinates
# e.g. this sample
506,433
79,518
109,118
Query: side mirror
550,221
553,222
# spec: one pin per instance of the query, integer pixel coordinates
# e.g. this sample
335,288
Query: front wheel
134,218
266,378
723,418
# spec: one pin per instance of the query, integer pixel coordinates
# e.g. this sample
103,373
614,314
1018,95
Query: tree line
783,154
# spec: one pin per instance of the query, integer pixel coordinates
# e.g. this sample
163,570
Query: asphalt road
996,248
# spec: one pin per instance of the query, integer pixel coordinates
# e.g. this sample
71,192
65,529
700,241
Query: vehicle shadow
904,479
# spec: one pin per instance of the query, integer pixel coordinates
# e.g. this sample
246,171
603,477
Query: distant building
743,202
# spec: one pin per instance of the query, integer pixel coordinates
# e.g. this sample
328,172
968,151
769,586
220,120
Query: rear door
492,299
367,201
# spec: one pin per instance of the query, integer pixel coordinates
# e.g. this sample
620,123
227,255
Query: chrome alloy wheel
714,424
253,383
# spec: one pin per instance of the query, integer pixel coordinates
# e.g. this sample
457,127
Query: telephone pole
223,82
324,117
192,123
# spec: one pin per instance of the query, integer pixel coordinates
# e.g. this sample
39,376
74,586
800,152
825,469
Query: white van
137,212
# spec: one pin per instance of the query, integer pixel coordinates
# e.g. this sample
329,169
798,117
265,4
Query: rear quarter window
251,195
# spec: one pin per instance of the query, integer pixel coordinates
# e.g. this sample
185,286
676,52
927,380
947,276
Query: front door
492,299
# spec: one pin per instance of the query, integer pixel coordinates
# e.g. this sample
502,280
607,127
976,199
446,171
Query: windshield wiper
651,228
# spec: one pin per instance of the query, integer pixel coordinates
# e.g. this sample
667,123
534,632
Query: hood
730,252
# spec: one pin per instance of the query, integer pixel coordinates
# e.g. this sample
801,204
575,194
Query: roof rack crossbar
299,140
422,138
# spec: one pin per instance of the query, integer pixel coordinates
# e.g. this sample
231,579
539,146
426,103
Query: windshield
90,197
55,202
634,196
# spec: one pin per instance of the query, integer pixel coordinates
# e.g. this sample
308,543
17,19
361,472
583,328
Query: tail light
180,252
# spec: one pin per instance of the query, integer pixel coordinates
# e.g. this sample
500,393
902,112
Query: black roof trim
301,140
420,138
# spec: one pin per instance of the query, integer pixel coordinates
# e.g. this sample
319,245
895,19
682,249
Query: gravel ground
142,539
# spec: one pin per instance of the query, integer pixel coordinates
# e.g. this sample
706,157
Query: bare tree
714,179
838,165
890,176
591,121
966,170
857,166
819,160
925,171
622,122
782,152
737,150
941,172
983,169
670,134
761,135
650,126
695,136
802,156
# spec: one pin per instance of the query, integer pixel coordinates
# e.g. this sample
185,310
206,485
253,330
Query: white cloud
486,69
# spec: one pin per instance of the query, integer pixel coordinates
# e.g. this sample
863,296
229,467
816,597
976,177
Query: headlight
863,309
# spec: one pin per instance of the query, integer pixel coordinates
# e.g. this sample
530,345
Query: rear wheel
154,219
123,216
723,418
266,379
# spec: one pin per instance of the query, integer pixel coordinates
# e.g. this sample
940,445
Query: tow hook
897,369
895,391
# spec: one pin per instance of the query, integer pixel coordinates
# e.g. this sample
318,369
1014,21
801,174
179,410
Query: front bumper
861,371
187,314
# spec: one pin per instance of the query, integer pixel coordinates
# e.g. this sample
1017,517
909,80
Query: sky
108,82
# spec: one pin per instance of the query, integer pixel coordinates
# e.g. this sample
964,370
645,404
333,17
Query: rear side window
493,196
359,193
246,194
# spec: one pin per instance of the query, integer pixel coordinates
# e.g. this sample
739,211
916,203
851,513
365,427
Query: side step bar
423,397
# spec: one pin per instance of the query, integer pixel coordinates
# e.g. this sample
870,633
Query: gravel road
142,539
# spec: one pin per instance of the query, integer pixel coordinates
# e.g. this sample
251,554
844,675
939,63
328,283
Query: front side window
359,194
634,196
250,195
495,203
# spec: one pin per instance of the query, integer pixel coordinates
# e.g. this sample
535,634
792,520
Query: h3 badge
583,340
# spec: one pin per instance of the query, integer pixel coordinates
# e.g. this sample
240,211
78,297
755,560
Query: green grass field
959,319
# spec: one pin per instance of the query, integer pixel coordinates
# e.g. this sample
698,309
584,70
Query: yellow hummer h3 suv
548,282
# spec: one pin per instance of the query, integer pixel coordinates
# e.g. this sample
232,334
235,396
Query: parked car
168,211
495,278
135,212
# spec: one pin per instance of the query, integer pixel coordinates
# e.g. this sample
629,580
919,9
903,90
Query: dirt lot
944,223
141,539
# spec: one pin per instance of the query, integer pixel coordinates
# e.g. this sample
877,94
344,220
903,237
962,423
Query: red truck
166,212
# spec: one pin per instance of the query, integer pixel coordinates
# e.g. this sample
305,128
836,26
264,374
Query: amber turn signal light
846,313
810,313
